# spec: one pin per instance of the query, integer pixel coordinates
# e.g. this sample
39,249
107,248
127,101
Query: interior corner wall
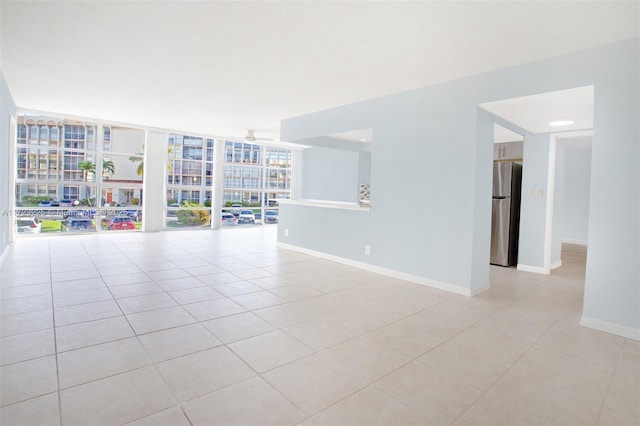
575,203
533,207
7,111
559,196
330,175
482,233
364,168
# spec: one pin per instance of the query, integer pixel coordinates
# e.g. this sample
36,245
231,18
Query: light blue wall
533,208
612,290
330,174
558,203
364,168
7,110
575,203
432,152
321,225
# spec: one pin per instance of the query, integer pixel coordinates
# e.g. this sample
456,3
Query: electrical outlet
540,193
286,232
367,250
532,192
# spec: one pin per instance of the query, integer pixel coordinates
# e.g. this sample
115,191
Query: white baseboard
4,256
611,328
556,265
534,269
385,271
576,242
479,290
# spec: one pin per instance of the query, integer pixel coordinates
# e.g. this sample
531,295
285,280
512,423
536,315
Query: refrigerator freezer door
500,218
502,173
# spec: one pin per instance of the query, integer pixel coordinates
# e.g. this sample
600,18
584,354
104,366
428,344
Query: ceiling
502,134
537,113
359,135
220,68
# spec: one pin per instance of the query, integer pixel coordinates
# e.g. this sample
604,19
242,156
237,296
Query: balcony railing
80,219
86,219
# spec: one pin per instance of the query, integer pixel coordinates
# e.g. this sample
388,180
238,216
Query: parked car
115,223
271,216
47,203
235,209
135,215
229,219
29,225
246,216
65,202
77,224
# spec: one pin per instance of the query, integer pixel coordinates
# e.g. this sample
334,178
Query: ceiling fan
252,138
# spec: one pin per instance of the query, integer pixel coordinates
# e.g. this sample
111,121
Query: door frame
551,186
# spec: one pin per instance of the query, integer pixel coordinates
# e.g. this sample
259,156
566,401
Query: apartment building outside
51,151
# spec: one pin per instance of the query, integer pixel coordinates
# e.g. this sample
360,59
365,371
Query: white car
246,216
229,220
235,209
29,225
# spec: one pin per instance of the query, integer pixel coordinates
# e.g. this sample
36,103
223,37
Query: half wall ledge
328,204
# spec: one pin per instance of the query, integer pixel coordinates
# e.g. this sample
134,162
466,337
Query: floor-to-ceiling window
73,168
68,172
246,171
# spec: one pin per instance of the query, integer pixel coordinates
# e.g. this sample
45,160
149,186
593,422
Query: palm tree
86,167
139,158
108,167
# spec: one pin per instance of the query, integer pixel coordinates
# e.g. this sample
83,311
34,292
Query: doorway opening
543,119
567,214
508,150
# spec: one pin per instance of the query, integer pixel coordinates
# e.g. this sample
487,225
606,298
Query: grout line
55,338
613,376
137,337
486,314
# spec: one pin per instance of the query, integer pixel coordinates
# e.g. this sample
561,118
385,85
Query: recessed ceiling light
560,123
363,140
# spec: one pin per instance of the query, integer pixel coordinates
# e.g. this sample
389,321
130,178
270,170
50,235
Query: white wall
155,181
7,110
433,149
127,141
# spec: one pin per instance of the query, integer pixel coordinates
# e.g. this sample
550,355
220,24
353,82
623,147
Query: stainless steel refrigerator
505,213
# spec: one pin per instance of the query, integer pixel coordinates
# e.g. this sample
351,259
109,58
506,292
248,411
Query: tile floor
203,327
